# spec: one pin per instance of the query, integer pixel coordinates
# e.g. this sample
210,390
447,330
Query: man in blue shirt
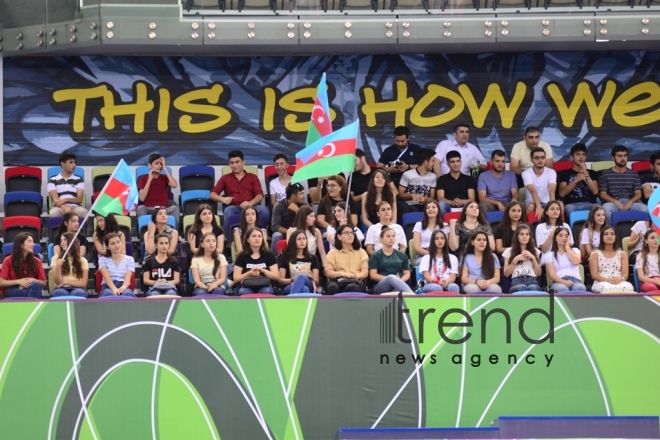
496,187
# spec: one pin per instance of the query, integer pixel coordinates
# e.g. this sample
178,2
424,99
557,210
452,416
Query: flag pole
90,212
348,197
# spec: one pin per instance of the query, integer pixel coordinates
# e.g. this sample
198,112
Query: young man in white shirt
470,154
540,183
277,186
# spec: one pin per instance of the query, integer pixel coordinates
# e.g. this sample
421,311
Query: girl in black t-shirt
513,216
161,273
70,223
337,192
104,226
379,190
204,222
255,267
299,270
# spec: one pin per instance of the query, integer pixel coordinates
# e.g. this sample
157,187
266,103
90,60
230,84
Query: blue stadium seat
193,177
144,220
141,171
7,247
190,201
54,171
26,203
633,216
494,216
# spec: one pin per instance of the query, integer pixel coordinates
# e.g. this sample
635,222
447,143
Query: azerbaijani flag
120,194
332,154
320,124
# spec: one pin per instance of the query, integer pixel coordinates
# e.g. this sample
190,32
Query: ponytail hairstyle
170,258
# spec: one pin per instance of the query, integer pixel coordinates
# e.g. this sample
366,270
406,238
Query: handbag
344,282
256,283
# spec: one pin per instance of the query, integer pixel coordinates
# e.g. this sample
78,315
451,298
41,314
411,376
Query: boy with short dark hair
66,190
154,188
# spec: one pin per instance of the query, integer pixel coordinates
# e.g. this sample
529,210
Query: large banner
194,110
285,368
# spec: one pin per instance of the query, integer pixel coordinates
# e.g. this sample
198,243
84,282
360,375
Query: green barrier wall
303,368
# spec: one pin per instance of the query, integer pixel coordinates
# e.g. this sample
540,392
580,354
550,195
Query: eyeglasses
348,233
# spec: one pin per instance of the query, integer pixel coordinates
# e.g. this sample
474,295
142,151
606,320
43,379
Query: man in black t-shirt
577,187
361,176
455,189
400,157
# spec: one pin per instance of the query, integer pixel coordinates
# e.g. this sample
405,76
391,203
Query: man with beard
471,156
521,153
578,186
400,157
620,188
498,186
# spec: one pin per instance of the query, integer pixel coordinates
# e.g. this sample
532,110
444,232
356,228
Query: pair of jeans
217,291
75,291
391,283
32,291
524,283
300,284
262,211
578,285
433,287
333,287
154,292
247,291
611,208
474,288
106,291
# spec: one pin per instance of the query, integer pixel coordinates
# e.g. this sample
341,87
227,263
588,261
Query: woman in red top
32,278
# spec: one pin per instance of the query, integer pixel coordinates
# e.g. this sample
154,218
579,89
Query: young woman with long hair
337,192
346,266
439,267
636,240
106,225
304,221
431,221
158,225
299,269
249,220
255,268
551,219
117,269
373,242
513,216
460,231
590,235
339,218
522,261
203,223
380,189
609,265
647,267
70,276
389,267
70,223
161,273
209,267
22,273
480,268
562,262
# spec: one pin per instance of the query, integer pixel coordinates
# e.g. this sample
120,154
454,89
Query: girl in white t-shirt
339,219
423,230
439,271
563,263
373,242
522,261
551,219
590,235
637,238
646,265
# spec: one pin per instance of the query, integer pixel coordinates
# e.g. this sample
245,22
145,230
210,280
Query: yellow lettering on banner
583,95
185,103
493,96
164,109
636,99
138,109
434,92
268,116
399,105
79,98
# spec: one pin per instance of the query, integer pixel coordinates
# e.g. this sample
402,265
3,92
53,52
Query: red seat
489,166
532,218
12,226
280,246
99,279
641,166
450,215
23,179
563,165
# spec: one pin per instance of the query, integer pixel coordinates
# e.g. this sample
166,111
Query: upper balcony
304,27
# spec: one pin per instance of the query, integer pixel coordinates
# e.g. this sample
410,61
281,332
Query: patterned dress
608,268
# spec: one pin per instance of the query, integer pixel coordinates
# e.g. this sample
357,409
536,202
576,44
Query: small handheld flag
120,194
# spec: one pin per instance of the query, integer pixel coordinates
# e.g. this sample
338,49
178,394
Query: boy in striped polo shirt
620,188
66,190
